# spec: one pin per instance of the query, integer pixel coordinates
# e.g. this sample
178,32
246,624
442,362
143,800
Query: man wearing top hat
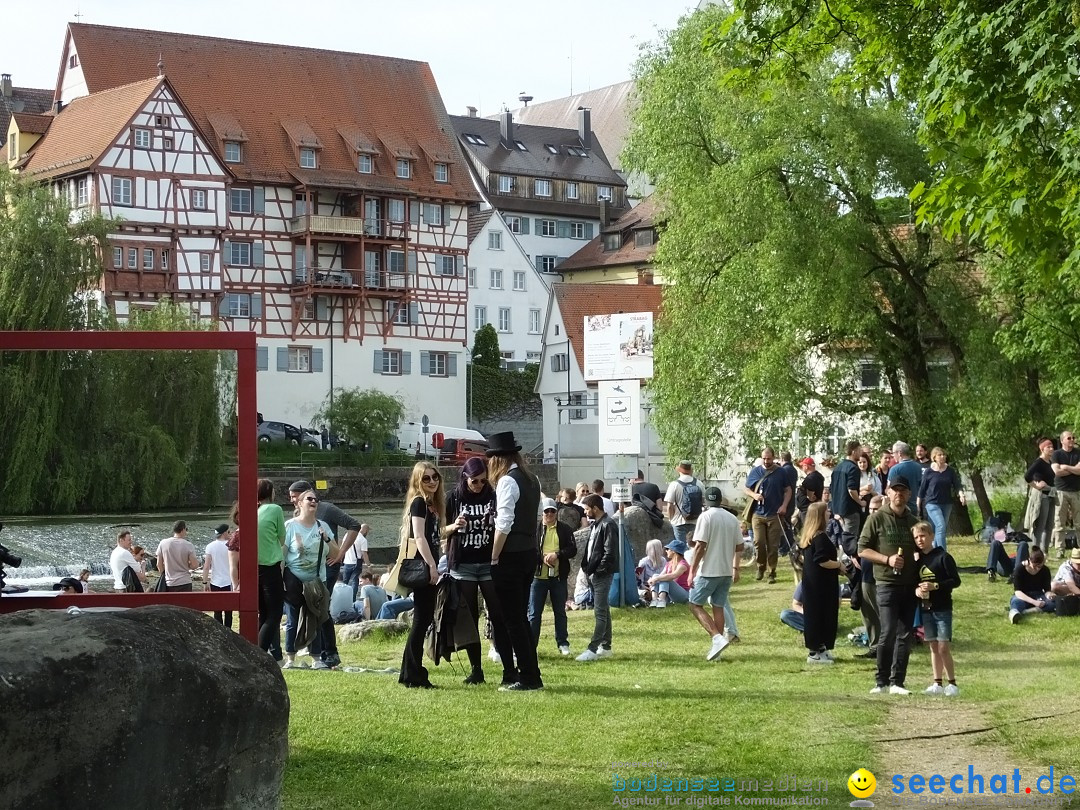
514,555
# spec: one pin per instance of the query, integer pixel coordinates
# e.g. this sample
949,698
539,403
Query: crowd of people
874,533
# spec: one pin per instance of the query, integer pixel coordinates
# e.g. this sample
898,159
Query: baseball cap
547,503
68,582
713,496
221,528
808,462
899,483
300,486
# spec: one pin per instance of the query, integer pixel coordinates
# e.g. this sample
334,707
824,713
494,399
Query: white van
413,440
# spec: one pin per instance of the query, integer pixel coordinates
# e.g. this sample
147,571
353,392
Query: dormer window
233,152
506,184
603,193
404,168
364,164
441,172
307,158
542,188
612,241
571,191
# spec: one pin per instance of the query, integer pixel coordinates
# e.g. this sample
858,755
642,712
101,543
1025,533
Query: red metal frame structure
246,601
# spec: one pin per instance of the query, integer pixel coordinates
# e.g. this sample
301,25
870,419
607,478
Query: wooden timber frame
246,600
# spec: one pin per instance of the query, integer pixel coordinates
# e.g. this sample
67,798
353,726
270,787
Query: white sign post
619,404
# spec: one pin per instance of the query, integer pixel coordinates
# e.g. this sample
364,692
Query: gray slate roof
23,100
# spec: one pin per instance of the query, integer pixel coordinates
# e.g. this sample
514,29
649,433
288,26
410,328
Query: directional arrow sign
620,416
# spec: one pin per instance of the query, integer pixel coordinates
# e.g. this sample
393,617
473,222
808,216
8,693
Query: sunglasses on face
311,500
478,480
432,478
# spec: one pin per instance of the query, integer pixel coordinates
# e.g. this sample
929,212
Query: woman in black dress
425,505
470,533
820,583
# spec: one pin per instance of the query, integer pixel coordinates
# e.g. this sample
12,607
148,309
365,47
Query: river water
54,547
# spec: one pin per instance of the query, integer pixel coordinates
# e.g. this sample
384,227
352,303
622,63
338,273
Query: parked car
284,432
312,438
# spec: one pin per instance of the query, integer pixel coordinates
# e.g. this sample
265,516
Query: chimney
506,127
471,111
5,85
584,127
57,106
605,213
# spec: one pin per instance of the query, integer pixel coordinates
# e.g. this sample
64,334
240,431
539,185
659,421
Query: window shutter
562,229
412,261
425,363
316,360
554,365
223,306
588,230
525,226
262,358
538,261
406,362
283,358
451,364
259,196
322,310
256,305
378,362
414,312
460,265
414,212
227,253
257,259
429,215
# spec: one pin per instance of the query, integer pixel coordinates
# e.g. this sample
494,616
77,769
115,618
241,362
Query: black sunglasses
311,500
427,479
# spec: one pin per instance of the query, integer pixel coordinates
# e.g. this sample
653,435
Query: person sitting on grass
999,560
651,565
938,578
672,586
1032,583
793,616
1066,586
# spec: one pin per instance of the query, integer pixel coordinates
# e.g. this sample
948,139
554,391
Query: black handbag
413,572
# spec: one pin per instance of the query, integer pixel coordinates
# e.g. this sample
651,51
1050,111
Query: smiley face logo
862,784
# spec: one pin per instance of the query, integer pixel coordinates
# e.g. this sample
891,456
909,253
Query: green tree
791,257
501,392
486,347
368,417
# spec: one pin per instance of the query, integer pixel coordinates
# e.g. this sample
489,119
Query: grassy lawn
760,713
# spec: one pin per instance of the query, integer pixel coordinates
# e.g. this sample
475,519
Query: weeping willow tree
92,430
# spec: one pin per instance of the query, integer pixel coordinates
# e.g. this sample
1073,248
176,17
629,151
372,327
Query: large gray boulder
150,707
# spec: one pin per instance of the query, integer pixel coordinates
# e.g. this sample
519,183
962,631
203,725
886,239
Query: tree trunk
978,486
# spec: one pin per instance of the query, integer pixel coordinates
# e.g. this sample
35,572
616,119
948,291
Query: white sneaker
952,690
898,690
604,652
934,689
588,655
565,649
817,658
718,645
494,656
1014,616
877,690
827,654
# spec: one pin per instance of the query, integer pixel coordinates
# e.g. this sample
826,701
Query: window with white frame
495,240
514,224
121,191
166,258
542,188
391,361
133,258
239,305
397,312
433,214
442,173
603,193
506,184
571,191
161,121
547,263
577,230
519,280
437,364
307,158
118,258
240,201
479,317
448,265
496,279
148,259
204,262
166,143
404,168
233,152
549,227
472,276
142,138
309,309
534,321
198,199
82,192
240,254
300,358
395,210
364,164
504,319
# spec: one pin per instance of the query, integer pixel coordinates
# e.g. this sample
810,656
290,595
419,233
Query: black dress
821,594
413,671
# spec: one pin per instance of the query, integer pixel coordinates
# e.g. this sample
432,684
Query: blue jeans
998,559
677,594
793,619
601,586
392,608
1016,603
684,531
538,594
350,575
939,516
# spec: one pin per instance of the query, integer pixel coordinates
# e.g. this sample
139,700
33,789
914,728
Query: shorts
472,572
937,625
710,589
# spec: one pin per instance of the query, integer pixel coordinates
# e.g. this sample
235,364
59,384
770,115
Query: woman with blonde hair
425,507
939,483
820,584
651,564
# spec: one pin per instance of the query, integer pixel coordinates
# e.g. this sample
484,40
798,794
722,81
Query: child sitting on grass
937,579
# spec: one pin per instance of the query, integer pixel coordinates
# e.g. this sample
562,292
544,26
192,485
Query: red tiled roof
579,300
36,124
264,88
592,254
86,127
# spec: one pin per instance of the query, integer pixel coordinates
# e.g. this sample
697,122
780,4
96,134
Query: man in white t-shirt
682,525
355,559
715,568
122,558
216,574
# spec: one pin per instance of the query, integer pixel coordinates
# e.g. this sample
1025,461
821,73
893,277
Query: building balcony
343,280
372,228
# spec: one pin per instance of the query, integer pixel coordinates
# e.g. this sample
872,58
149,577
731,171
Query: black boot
475,677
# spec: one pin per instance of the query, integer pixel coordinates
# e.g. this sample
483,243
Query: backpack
692,500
